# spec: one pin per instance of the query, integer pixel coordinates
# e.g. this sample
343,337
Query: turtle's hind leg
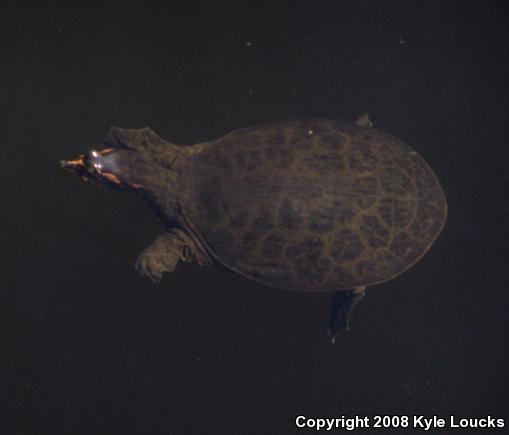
166,251
341,307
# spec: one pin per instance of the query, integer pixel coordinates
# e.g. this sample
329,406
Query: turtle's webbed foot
341,307
152,265
165,252
161,256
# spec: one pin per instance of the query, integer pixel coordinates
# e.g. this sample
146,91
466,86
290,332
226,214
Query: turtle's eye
93,162
103,166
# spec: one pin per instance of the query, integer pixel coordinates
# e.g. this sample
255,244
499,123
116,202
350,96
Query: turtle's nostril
73,164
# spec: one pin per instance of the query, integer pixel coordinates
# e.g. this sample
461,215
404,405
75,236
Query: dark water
87,347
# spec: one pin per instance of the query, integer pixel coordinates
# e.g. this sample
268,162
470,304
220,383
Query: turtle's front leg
166,251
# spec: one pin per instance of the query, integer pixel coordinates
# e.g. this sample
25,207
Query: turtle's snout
86,166
74,165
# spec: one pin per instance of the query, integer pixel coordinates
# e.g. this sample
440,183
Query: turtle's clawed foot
341,308
161,256
165,252
149,265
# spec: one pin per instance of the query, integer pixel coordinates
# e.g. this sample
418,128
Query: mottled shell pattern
312,205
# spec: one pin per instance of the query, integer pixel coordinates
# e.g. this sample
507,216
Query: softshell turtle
309,205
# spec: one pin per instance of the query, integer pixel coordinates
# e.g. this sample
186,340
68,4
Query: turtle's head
111,167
